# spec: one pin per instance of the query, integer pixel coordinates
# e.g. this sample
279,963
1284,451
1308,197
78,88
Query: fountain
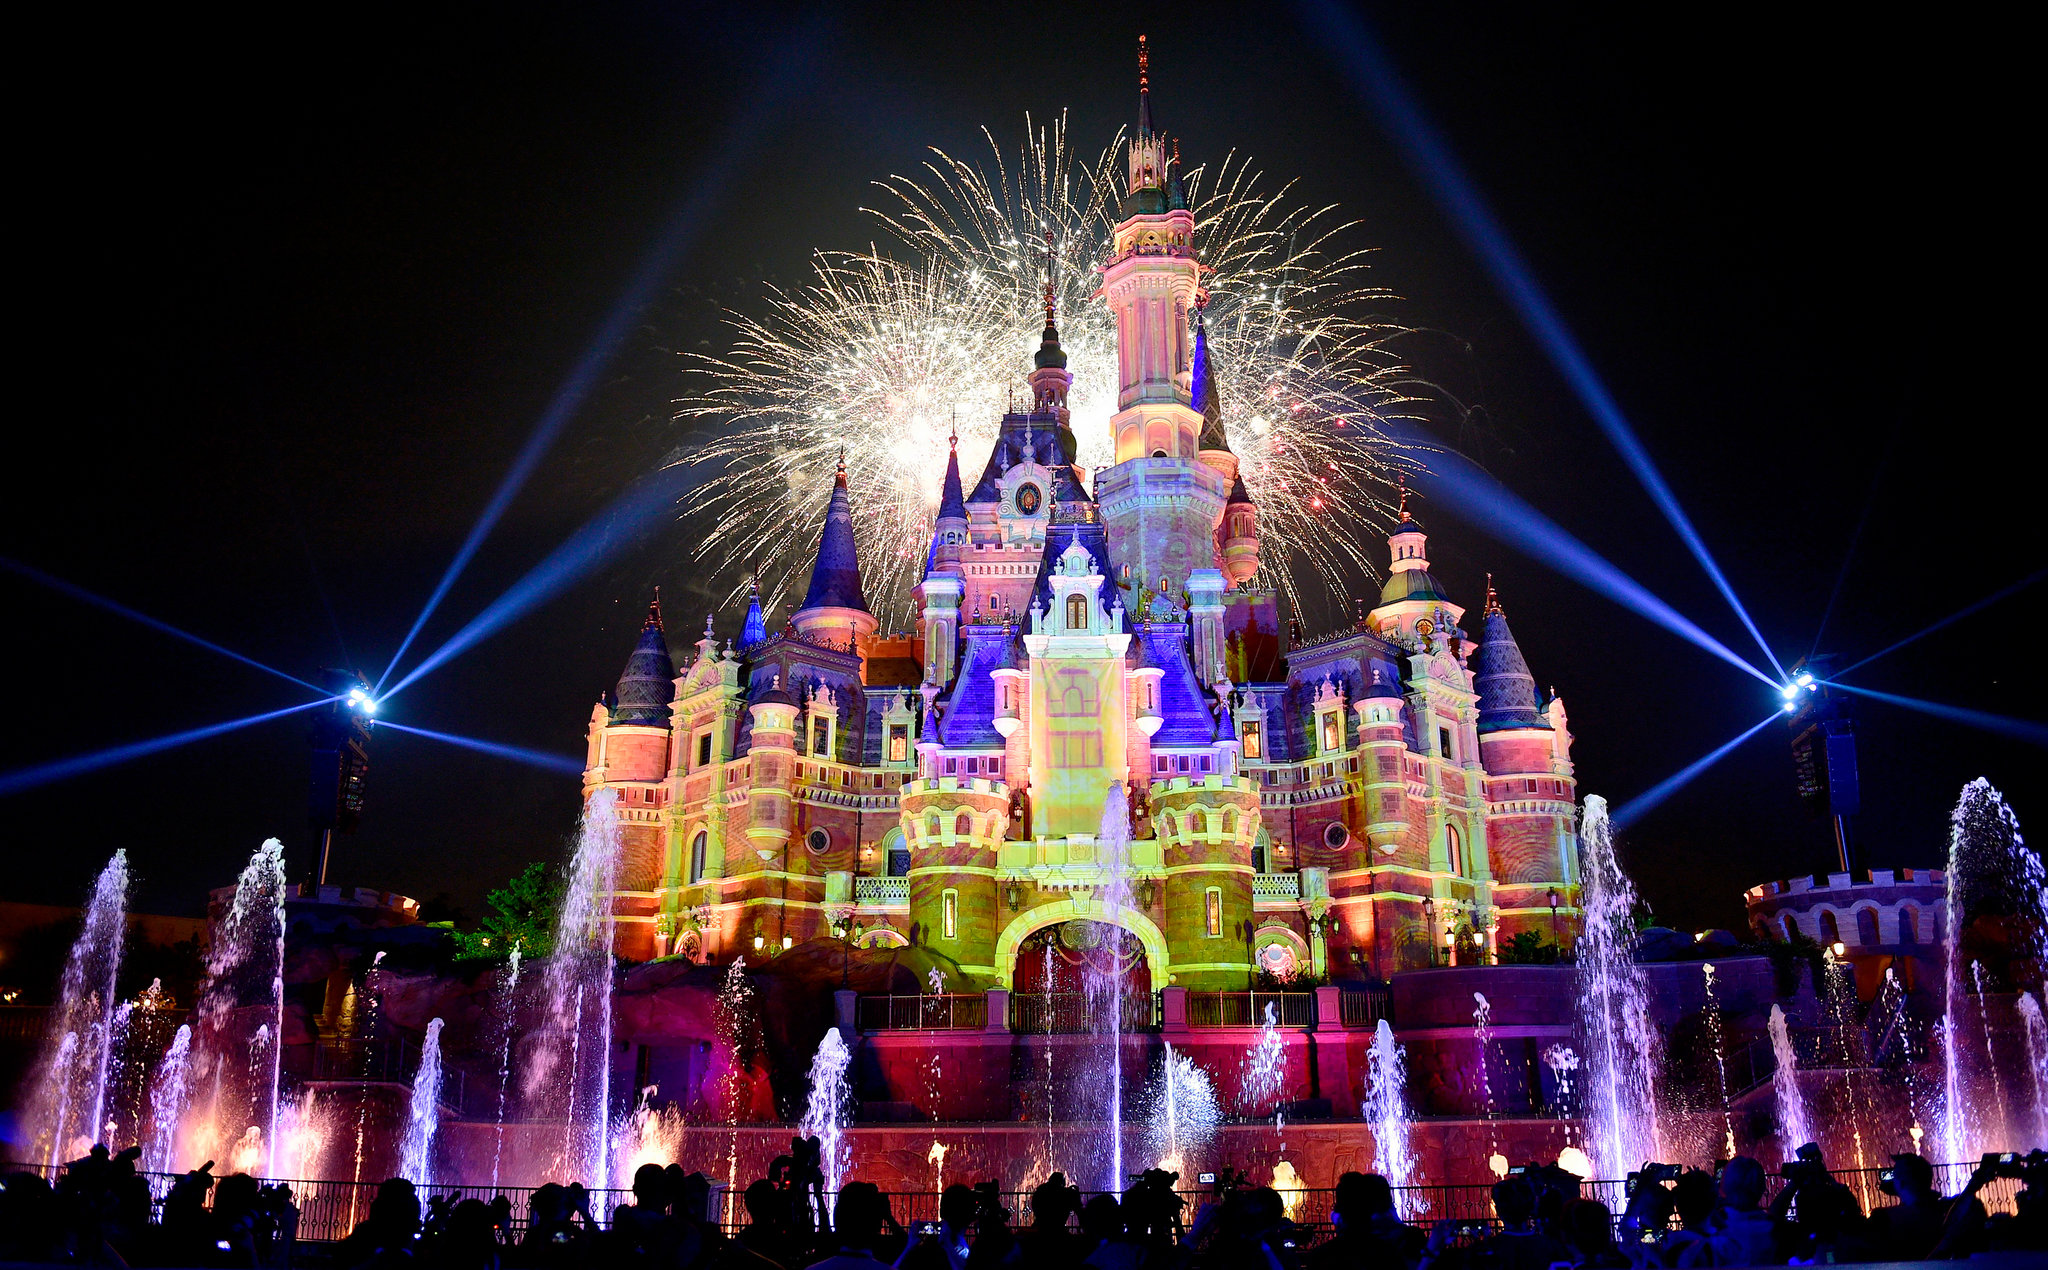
734,1021
568,1072
1482,1029
508,1011
167,1094
67,1113
1621,1042
233,1055
1995,907
1794,1131
2037,1059
1265,1068
1105,982
1715,1042
416,1155
1386,1110
1184,1113
826,1112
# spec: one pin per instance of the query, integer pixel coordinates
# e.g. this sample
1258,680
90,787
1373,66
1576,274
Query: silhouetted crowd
99,1212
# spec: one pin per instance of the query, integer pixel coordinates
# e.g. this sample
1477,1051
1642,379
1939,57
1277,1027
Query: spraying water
240,1014
167,1104
1482,1030
1621,1043
2037,1059
1265,1066
1386,1110
1991,875
1794,1130
825,1114
69,1091
1714,1039
1184,1111
570,1072
508,1007
416,1155
735,1030
1105,981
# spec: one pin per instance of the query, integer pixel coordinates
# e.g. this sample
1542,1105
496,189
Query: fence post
1329,1039
1173,1009
998,1010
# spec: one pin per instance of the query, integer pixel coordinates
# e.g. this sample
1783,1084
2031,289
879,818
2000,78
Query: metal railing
1365,1009
1276,886
938,1011
1071,1013
1249,1009
387,1060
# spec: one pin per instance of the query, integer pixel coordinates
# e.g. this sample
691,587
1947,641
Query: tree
522,916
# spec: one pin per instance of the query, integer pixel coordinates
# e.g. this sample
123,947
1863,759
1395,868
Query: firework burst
882,351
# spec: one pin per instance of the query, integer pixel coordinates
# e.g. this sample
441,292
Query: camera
1205,1179
1649,1174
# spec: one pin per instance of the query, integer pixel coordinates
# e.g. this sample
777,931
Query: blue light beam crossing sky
789,83
1644,803
2027,730
1458,485
1956,616
1430,157
119,609
26,778
613,528
517,753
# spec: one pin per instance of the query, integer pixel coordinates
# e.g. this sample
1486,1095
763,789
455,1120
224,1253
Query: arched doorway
1069,973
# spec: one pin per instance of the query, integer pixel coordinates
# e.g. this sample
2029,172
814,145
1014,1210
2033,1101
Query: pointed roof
835,579
952,503
1507,691
1207,400
648,685
1239,495
1144,89
755,628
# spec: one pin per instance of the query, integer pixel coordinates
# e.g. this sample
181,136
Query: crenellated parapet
954,828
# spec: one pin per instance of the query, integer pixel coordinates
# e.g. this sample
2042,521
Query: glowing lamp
1840,948
1805,679
787,942
759,943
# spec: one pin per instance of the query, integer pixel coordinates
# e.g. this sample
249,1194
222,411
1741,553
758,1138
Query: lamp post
1429,923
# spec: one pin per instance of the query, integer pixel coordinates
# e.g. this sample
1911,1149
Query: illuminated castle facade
1388,796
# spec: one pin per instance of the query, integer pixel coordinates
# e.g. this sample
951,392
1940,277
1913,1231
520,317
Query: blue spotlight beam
26,778
2027,730
610,530
1458,485
791,77
1431,158
119,609
1956,616
518,753
1644,803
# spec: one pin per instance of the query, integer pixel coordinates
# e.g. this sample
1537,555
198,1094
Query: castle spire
952,501
834,608
648,684
1507,691
1206,398
1050,355
755,628
1144,89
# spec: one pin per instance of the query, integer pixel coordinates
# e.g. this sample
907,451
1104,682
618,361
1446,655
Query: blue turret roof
1205,395
1507,691
649,684
755,628
1183,706
952,503
835,579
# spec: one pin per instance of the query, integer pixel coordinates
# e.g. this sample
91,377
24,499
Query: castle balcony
820,796
1276,890
881,894
1073,863
955,785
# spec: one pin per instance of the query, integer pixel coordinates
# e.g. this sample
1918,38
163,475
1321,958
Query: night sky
298,288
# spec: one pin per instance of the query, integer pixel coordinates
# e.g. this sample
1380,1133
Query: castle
1391,795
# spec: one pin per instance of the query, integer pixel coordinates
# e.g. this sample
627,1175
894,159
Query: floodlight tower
341,761
1823,749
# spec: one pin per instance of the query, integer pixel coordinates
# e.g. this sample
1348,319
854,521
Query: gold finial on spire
1048,278
839,477
953,439
1401,481
1144,67
1492,600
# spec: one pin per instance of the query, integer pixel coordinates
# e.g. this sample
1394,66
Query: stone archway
1065,909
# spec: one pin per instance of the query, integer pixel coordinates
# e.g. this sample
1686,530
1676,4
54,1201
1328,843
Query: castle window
1332,735
949,914
1204,762
1249,734
899,743
1212,907
1443,745
1159,763
1830,930
698,845
1454,847
1909,925
818,841
821,735
1791,928
963,826
1201,823
953,765
931,828
1180,762
1335,835
704,749
1866,928
1230,822
1077,612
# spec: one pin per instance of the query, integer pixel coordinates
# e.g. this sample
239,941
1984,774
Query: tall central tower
1160,501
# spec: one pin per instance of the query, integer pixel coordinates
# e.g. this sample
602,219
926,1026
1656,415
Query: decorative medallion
1029,499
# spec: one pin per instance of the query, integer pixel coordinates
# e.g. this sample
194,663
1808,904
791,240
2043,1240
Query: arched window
1791,928
1332,734
1909,925
1077,612
963,825
1866,928
698,845
931,826
1454,847
1201,823
1166,823
1230,822
1830,930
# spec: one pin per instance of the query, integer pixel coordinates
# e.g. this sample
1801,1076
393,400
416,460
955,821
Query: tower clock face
1029,499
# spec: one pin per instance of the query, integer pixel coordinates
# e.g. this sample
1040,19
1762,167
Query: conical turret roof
648,687
952,502
835,579
755,628
1207,399
1507,691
